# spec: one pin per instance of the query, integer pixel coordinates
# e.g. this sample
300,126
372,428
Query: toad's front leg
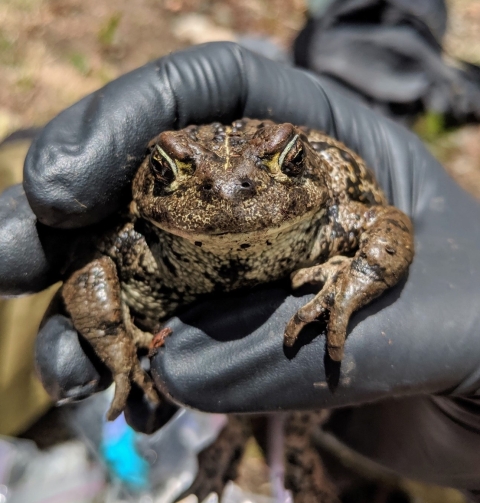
385,250
92,297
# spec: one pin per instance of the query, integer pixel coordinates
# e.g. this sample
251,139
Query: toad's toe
122,389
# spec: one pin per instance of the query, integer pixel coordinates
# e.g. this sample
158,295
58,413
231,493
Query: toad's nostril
245,188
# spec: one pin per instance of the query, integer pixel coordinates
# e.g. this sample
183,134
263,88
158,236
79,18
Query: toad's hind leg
218,463
92,298
305,475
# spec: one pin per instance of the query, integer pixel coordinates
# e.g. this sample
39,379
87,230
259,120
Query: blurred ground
53,52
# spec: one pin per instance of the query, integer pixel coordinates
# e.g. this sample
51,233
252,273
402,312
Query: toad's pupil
294,166
161,168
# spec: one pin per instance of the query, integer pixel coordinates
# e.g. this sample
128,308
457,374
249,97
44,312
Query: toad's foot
334,298
92,297
123,386
385,250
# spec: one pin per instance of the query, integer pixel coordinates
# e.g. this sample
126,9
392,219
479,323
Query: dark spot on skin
244,246
354,189
368,197
292,206
330,299
198,243
177,255
169,265
338,230
231,272
236,141
209,277
397,223
165,290
269,243
138,277
346,156
320,146
361,265
333,212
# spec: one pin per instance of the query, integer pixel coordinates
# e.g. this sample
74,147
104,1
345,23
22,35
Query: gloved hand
420,338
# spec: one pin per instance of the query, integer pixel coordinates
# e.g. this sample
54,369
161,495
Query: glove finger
32,254
143,417
25,265
66,366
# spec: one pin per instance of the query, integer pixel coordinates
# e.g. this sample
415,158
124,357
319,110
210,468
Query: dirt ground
53,52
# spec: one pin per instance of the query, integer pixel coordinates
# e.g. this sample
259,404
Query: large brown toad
216,208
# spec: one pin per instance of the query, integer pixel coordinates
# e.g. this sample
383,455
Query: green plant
108,30
80,62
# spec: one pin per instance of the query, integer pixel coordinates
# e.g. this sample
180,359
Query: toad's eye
163,166
292,159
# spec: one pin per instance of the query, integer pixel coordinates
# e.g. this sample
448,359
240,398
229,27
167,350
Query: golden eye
162,166
292,159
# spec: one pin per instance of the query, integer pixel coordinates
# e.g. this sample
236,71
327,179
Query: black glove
422,337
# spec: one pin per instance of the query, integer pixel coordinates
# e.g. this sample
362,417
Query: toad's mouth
245,239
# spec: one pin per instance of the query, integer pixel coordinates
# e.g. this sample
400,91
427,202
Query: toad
217,208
